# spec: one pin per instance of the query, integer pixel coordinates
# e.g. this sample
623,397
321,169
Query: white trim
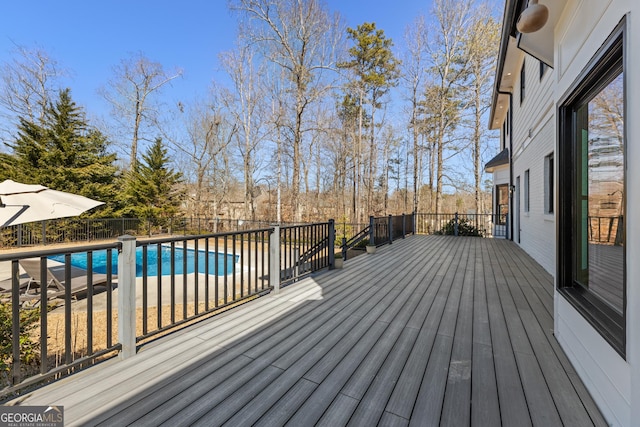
604,372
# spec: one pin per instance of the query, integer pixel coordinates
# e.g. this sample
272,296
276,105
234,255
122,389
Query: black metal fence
384,230
79,305
67,230
379,231
304,249
347,230
49,335
183,278
483,225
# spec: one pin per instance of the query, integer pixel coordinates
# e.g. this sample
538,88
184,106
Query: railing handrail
487,224
359,237
38,253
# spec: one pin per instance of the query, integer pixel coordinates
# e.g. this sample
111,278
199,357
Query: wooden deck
431,330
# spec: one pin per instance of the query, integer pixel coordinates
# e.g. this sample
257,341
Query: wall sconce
512,190
533,18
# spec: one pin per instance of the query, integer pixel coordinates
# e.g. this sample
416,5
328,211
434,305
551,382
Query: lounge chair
55,282
6,285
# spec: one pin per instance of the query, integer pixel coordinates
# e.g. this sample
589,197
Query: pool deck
431,330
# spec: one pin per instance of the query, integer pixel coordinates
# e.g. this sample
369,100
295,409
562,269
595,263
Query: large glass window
592,193
599,194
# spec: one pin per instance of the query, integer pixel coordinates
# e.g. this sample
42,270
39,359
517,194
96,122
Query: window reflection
599,195
503,203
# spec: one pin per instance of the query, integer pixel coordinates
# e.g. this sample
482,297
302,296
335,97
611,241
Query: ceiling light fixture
533,18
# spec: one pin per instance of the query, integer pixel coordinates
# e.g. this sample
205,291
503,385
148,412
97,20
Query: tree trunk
476,149
297,142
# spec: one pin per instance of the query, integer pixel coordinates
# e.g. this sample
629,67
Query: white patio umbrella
22,203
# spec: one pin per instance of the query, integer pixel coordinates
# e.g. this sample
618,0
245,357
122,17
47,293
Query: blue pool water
100,261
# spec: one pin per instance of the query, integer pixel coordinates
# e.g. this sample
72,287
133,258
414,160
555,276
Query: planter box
338,263
371,249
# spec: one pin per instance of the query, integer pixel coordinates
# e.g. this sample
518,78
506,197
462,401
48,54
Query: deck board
513,405
431,330
456,410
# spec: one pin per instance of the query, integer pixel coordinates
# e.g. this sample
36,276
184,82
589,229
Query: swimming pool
100,261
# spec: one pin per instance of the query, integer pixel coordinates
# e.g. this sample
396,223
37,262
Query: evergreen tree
153,190
64,153
375,71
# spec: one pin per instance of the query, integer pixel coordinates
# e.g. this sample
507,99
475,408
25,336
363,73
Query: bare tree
247,105
483,39
28,84
348,113
300,37
277,121
131,93
448,69
414,74
210,132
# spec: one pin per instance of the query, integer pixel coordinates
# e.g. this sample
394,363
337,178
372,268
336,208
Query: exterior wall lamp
533,18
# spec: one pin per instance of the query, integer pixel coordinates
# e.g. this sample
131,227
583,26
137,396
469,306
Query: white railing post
127,296
274,259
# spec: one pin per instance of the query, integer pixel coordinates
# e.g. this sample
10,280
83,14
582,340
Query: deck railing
386,229
380,231
162,283
54,338
606,229
484,225
305,248
68,230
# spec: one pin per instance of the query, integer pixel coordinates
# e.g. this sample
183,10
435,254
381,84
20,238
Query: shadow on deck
431,330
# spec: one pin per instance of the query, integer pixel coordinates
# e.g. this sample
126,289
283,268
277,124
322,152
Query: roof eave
512,10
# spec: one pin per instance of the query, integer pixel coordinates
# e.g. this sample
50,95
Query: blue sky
90,37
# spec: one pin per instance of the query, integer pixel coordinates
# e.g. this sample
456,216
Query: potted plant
371,249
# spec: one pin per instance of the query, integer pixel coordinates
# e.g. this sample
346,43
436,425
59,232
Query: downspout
511,193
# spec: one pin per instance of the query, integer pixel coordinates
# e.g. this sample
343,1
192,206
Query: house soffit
539,45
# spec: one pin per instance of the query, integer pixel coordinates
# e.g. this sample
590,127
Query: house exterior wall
534,138
582,28
613,380
537,229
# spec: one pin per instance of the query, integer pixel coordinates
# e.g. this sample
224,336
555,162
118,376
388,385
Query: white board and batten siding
612,380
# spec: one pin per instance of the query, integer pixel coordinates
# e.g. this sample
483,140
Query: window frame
499,189
602,69
543,69
522,81
549,183
527,191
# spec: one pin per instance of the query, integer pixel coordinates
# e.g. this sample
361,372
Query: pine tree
375,71
64,153
153,189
